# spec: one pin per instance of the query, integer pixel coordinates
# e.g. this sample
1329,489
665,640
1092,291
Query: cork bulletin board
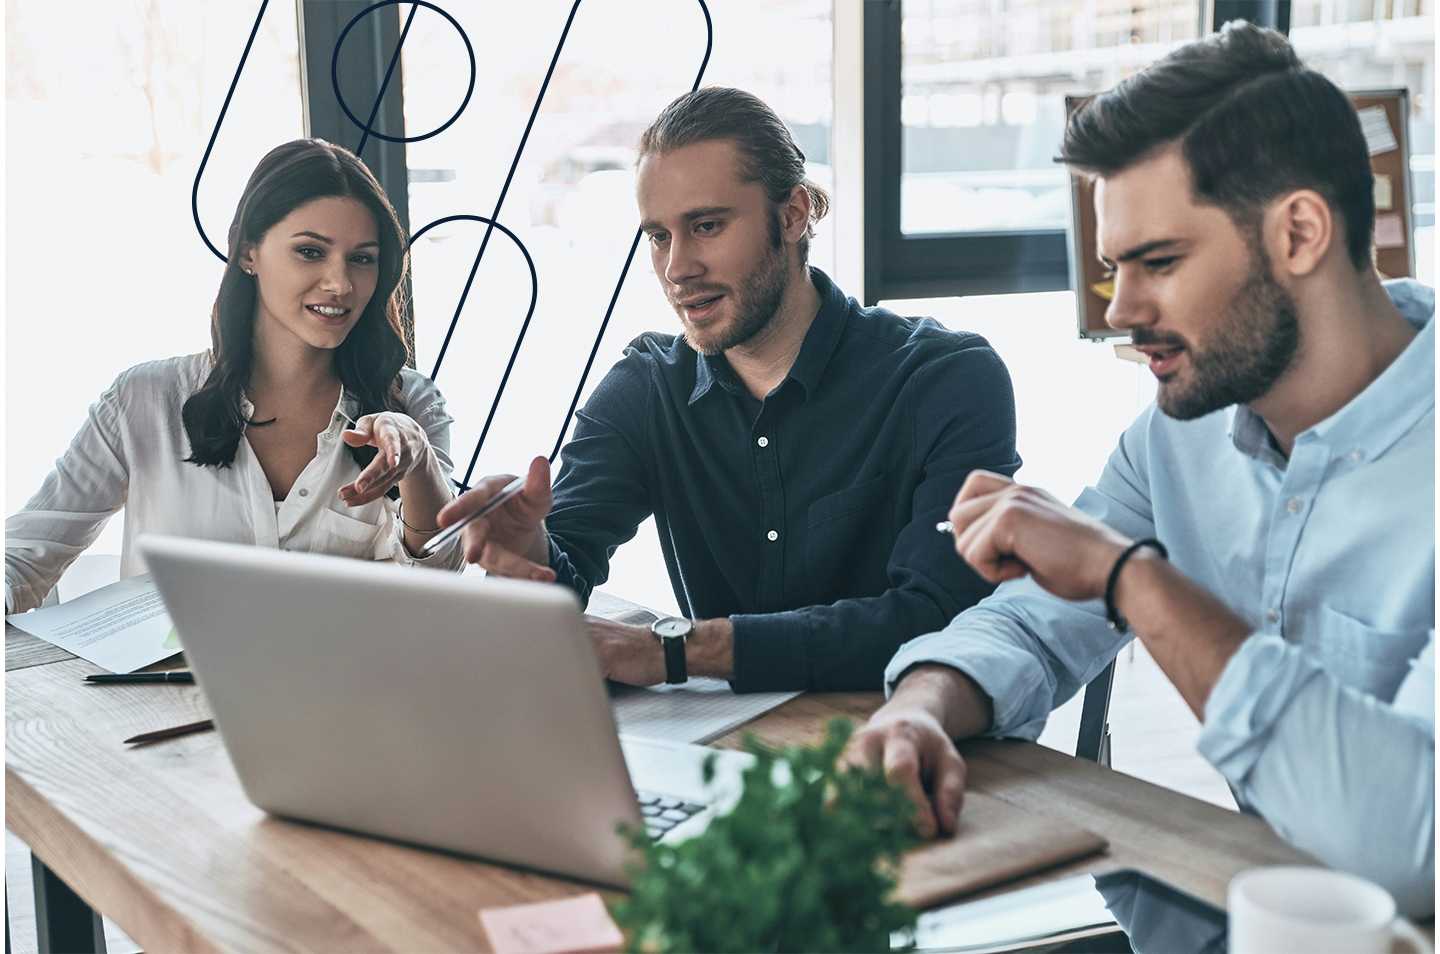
1384,118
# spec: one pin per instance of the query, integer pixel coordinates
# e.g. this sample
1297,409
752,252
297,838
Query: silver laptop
463,714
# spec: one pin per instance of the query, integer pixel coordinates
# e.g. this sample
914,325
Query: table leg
63,921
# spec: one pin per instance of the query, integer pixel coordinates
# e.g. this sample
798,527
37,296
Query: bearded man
795,448
1287,466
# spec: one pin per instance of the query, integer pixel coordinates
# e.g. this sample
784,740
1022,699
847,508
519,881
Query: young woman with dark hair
301,428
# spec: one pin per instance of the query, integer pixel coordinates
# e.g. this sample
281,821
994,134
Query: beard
1253,345
754,303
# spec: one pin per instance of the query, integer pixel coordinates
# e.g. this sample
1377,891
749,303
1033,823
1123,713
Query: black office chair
1093,742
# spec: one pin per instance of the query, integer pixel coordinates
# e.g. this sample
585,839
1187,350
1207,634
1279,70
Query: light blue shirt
1323,720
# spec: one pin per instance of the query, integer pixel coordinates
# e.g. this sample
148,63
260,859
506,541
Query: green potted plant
805,861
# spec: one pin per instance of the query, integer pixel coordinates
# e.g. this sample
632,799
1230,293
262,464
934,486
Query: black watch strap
672,632
674,659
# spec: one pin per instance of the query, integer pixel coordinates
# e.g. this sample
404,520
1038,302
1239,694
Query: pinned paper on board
1105,289
1384,193
1375,124
1389,231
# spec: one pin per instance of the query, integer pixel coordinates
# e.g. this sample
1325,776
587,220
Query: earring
248,271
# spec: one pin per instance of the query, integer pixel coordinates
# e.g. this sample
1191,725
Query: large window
982,101
109,115
964,111
964,107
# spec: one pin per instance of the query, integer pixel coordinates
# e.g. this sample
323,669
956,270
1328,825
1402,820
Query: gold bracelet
400,515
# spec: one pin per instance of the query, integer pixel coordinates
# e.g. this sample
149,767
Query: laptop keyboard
664,812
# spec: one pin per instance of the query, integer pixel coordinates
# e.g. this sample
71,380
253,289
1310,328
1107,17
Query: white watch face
672,627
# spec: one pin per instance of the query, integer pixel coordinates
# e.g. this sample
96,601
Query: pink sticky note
1389,233
570,926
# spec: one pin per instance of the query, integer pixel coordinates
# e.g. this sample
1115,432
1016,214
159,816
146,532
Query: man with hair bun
1267,527
795,448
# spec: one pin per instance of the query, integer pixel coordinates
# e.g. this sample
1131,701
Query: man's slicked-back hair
1251,121
769,155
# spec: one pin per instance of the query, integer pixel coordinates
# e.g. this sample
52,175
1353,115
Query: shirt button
772,536
763,442
1355,457
304,492
1294,504
1272,616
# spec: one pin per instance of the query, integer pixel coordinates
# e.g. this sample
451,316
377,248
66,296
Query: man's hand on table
511,541
909,738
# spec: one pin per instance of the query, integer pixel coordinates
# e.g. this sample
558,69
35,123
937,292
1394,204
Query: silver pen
445,536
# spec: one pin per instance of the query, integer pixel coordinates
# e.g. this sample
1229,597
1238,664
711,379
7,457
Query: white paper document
1028,919
121,627
1375,125
698,712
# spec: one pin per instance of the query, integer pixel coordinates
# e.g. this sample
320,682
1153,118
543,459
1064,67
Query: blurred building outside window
984,84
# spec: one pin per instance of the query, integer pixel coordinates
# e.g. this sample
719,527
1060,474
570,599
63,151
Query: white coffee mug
1283,909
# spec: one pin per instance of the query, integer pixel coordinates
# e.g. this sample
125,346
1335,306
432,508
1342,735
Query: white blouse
131,453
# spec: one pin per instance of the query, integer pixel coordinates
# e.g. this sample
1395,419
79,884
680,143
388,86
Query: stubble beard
1252,347
755,303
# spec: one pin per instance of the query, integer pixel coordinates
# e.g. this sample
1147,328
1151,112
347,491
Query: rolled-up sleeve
1337,772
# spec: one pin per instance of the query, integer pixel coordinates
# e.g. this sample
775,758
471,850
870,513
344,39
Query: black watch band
672,631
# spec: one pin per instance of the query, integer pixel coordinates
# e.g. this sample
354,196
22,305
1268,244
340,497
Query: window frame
897,265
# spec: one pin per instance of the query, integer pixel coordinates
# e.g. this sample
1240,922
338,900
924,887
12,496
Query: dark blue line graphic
492,222
625,269
495,215
519,339
368,127
505,189
215,133
384,83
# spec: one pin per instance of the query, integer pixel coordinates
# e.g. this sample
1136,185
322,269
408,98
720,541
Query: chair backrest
1093,741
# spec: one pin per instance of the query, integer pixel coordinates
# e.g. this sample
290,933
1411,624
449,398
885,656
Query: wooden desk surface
23,650
162,840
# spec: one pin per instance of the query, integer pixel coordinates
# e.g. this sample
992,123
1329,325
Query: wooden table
162,840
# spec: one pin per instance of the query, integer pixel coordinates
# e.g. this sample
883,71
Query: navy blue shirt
807,518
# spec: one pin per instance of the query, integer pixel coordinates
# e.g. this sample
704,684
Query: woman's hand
402,448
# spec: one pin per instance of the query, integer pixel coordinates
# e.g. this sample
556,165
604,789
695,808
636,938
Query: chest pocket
842,555
346,536
1372,660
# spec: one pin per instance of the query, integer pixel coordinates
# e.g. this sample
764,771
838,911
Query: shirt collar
1386,409
346,410
815,351
704,376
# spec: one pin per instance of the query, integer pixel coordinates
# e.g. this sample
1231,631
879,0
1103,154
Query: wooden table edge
92,872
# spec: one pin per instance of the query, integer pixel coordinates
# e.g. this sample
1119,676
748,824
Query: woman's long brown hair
368,363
